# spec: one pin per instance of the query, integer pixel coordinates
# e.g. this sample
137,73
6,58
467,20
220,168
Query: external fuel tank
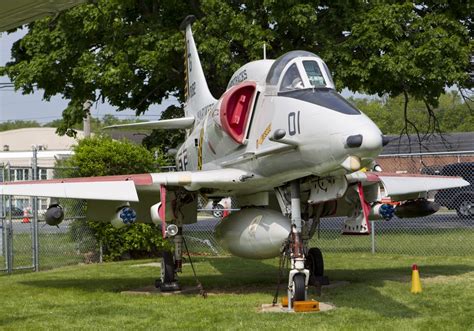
253,233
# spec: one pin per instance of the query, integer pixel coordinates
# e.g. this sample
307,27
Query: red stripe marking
138,179
365,205
162,210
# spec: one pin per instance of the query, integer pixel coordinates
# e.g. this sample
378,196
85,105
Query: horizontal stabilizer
174,123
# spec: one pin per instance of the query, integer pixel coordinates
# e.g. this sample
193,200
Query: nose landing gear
299,275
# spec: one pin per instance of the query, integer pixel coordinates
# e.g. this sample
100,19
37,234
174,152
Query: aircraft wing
406,185
174,123
125,187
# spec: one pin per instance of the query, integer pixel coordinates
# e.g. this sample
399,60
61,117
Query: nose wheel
299,287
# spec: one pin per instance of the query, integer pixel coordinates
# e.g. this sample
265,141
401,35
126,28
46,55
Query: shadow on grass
239,276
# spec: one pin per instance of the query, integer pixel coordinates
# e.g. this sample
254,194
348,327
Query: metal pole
2,248
372,235
9,236
35,212
101,252
87,118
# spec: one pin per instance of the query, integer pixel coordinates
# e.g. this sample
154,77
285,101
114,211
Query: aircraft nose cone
372,141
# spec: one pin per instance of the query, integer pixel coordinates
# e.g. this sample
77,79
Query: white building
16,155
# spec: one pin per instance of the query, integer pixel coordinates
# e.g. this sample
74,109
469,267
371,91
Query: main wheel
465,208
218,211
314,262
299,288
167,267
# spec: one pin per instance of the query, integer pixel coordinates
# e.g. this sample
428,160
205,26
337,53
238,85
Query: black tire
218,211
299,287
167,267
314,262
465,208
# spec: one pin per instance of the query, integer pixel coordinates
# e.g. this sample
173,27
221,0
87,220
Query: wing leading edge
399,185
125,187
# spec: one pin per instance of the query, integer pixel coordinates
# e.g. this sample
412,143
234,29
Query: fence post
2,223
9,236
101,252
34,166
372,235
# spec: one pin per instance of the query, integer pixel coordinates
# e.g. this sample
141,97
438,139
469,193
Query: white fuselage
314,143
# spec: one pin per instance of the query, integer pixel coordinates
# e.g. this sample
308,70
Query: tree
100,156
129,52
409,50
453,113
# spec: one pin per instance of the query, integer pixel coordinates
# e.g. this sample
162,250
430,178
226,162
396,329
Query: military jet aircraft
282,142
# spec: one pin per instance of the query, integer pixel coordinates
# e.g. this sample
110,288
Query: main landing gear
306,266
171,264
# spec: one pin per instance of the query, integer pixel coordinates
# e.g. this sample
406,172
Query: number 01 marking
294,123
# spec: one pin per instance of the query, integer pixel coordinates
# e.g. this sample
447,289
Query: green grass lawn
377,296
413,241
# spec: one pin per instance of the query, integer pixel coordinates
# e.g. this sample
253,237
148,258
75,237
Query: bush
135,241
102,156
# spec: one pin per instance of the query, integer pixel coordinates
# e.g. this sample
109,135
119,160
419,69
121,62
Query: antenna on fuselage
264,51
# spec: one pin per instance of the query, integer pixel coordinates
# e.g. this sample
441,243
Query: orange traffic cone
415,280
26,218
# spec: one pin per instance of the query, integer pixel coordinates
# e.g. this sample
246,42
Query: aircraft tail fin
197,92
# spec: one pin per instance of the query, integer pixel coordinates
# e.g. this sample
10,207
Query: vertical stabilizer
197,92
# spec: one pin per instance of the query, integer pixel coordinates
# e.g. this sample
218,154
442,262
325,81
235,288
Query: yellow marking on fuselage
201,140
186,80
264,135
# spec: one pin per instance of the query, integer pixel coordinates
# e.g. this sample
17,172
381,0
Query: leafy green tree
407,49
100,156
452,113
130,52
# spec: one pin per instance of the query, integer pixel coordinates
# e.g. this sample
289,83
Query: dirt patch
269,308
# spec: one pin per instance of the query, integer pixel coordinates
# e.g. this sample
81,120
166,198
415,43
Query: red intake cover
235,109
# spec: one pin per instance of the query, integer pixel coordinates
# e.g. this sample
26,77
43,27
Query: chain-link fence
27,242
448,232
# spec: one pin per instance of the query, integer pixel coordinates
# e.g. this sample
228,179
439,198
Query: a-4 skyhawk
283,143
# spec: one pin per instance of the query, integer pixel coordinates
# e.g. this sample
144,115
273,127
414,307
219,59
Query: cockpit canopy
299,70
304,76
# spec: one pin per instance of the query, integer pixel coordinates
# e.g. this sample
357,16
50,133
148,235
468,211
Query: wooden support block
284,301
305,306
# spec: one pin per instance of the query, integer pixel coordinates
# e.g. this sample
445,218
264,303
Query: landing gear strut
171,264
299,275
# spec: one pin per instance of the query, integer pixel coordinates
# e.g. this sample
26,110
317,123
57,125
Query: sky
16,106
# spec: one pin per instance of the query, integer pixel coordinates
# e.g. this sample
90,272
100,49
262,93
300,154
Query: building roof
24,139
447,142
